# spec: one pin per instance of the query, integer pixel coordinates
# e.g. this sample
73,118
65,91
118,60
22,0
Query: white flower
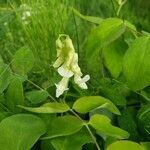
65,72
81,82
62,86
67,64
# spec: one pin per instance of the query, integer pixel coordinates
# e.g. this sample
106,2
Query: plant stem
93,137
120,6
114,8
38,87
119,9
77,36
90,132
41,89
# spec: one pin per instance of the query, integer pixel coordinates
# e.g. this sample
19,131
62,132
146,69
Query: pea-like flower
67,64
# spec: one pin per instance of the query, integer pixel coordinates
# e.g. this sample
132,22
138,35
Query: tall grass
48,19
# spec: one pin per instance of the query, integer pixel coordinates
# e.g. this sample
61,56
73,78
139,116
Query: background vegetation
38,33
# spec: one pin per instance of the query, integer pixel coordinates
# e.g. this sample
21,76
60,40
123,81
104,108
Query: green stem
77,36
120,7
93,137
132,30
38,87
114,7
87,127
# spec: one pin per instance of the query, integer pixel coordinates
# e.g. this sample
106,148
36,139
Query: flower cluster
25,13
67,64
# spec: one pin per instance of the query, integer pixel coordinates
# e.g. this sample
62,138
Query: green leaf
46,145
143,111
113,57
91,19
130,26
108,31
115,91
114,95
125,145
137,56
52,107
127,122
144,121
2,100
23,61
146,94
62,126
14,95
89,103
20,132
37,96
5,77
1,60
145,145
103,124
4,114
75,141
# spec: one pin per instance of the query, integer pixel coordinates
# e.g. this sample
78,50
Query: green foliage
48,108
37,96
109,46
137,56
124,145
63,126
144,122
94,102
113,56
23,61
5,76
14,95
91,19
16,132
75,141
102,124
146,145
108,31
127,122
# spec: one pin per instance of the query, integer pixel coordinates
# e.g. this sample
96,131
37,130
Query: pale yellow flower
67,64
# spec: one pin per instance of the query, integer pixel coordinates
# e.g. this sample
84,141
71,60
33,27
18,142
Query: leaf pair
82,105
67,125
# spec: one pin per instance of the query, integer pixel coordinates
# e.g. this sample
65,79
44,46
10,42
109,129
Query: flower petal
58,62
65,72
62,86
86,78
74,65
81,81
